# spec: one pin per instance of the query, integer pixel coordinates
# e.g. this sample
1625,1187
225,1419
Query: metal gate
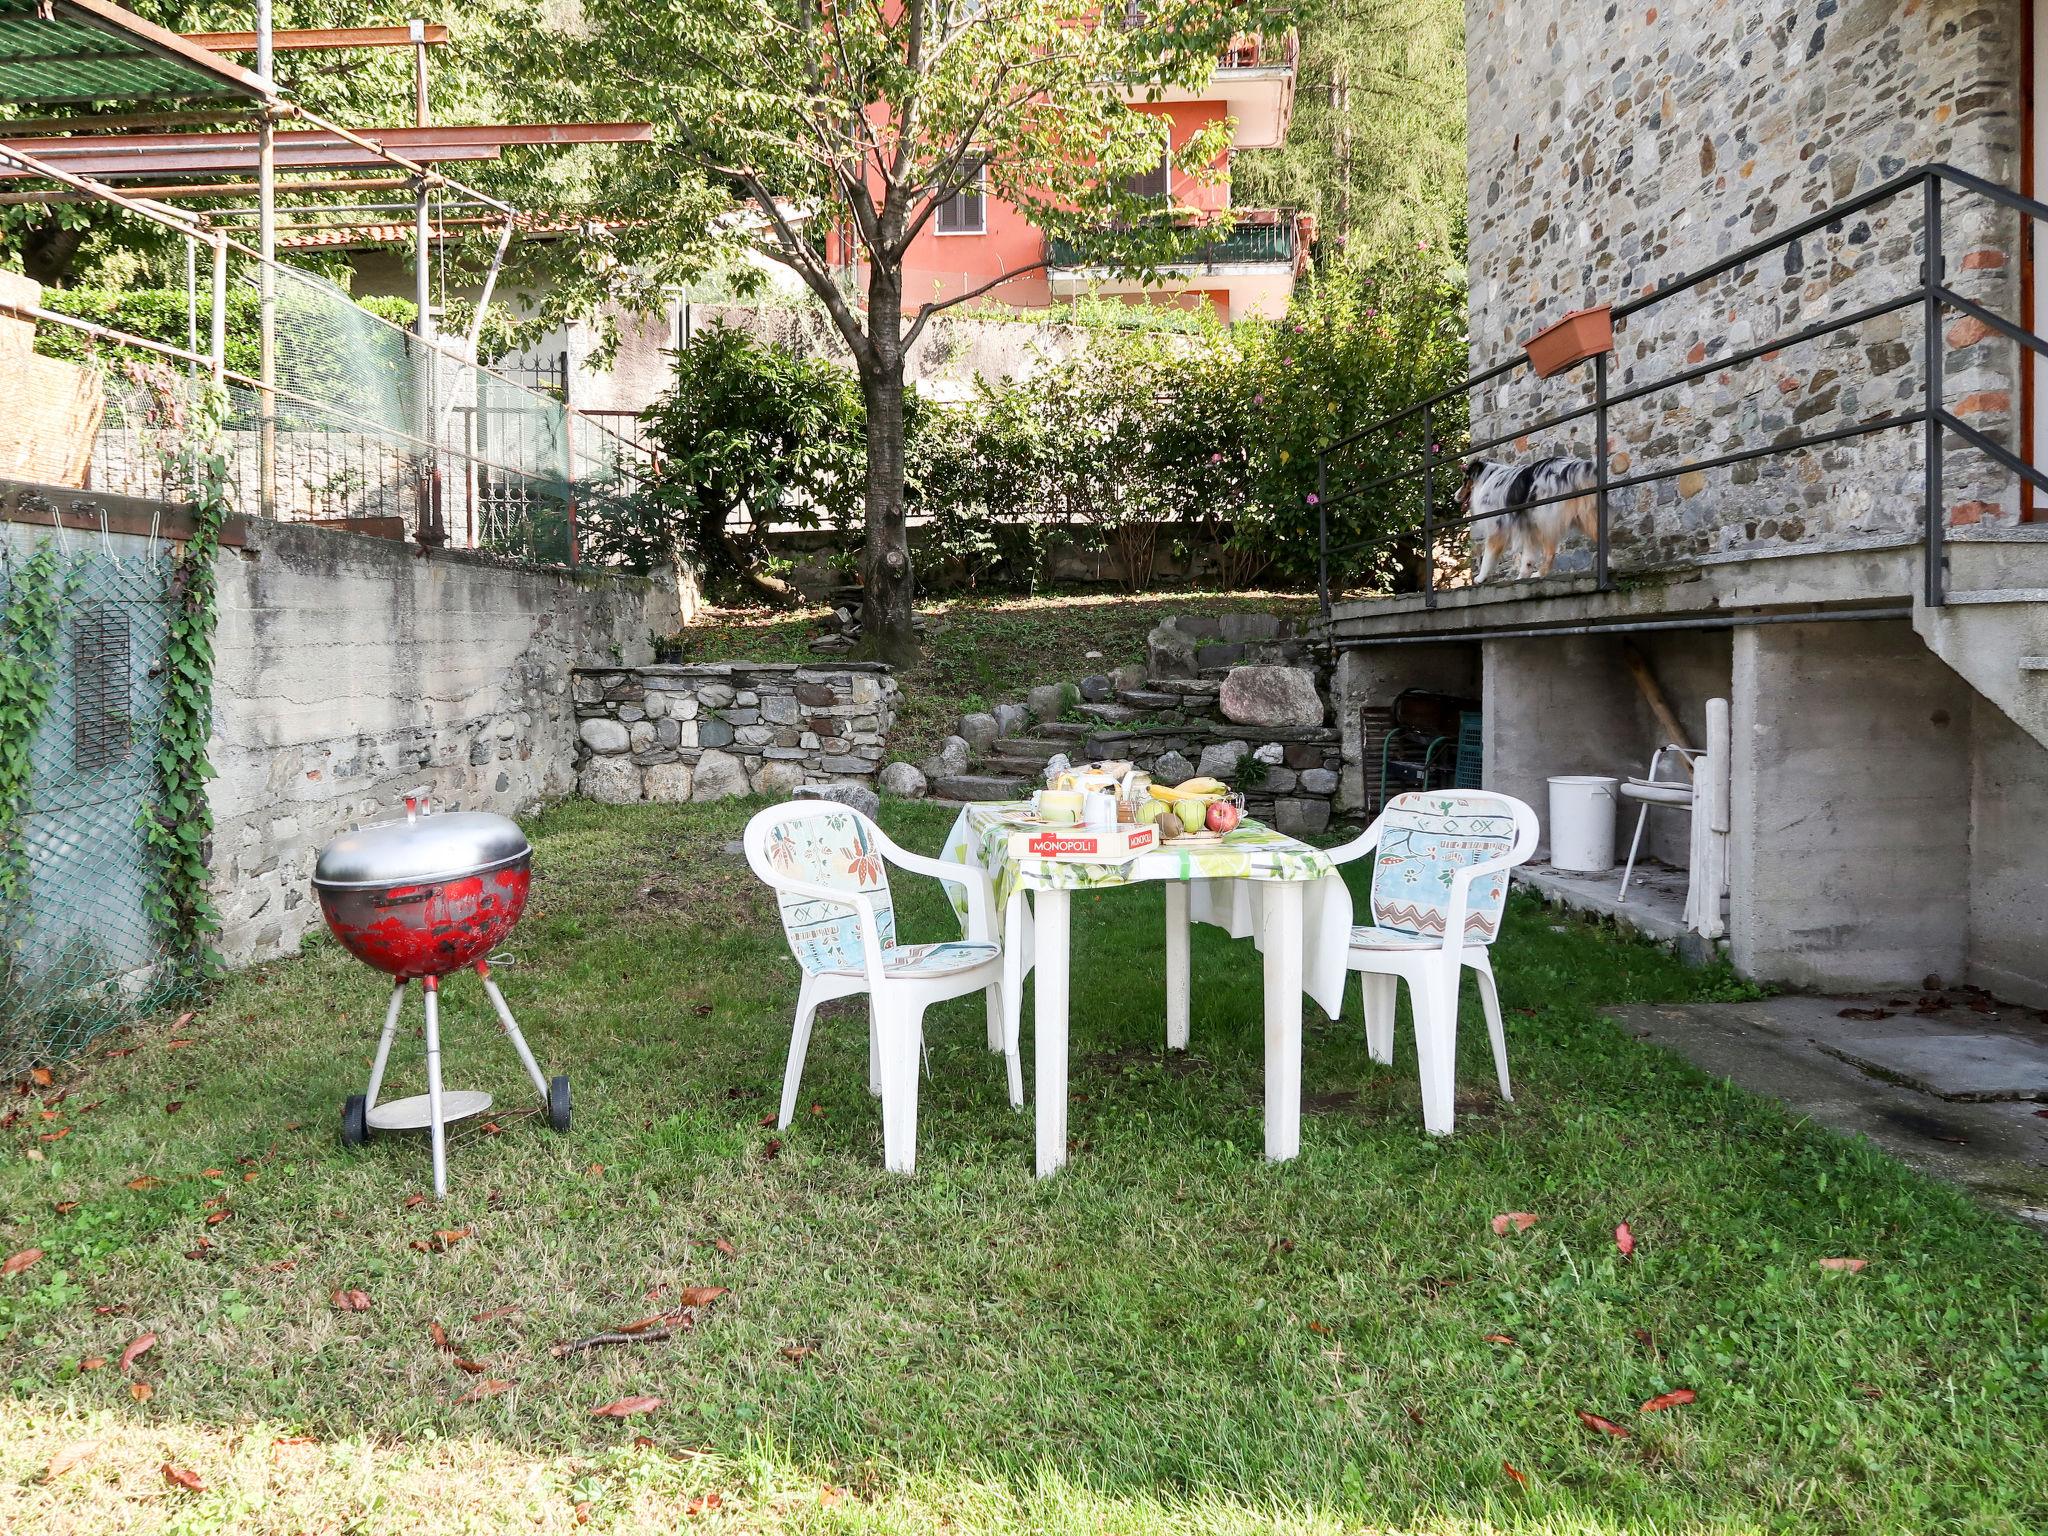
79,951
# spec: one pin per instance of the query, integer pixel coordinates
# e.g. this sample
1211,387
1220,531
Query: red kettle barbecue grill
420,899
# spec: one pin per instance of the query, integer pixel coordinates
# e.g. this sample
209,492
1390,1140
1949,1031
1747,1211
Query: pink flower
1314,499
1215,458
1258,399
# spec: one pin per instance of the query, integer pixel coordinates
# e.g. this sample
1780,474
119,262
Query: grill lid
442,847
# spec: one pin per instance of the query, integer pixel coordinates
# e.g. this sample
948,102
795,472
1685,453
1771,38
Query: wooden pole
1653,695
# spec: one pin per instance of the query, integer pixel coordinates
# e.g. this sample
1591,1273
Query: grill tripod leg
440,1128
511,1028
384,1046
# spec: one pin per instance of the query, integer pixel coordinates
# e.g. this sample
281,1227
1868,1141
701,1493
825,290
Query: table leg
1049,1028
1177,978
1282,938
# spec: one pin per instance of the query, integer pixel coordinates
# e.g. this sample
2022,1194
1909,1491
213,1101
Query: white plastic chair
825,862
1678,794
1440,878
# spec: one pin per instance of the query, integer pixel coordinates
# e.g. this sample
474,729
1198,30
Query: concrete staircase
1993,630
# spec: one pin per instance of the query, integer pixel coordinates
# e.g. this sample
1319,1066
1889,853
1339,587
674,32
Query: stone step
1060,730
982,786
1116,714
1149,702
1000,767
1191,687
1031,749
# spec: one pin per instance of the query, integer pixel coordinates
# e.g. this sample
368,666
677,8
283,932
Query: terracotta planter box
1579,335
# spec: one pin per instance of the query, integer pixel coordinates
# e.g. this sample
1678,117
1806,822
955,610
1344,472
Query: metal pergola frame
56,53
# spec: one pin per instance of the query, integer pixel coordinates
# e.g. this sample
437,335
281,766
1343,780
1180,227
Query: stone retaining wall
707,731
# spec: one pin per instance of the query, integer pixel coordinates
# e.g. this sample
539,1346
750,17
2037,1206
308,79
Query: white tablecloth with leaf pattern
1222,878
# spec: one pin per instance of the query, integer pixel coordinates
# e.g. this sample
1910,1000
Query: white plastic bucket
1582,809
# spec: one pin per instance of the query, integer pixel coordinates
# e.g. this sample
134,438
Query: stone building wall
707,731
1613,147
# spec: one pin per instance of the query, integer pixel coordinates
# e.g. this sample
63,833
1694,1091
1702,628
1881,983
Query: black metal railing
1931,293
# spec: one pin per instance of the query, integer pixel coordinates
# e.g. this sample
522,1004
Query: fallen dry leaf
217,1217
702,1503
147,1181
698,1295
471,1367
1509,1468
351,1301
442,1241
440,1337
798,1351
92,1362
1851,1265
771,1149
626,1407
141,1391
1521,1221
139,1346
731,1252
126,1050
1665,1400
17,1262
642,1324
494,1313
182,1020
174,1106
186,1480
1625,1240
595,1170
831,1497
178,1045
488,1388
55,1135
414,1202
40,1076
1604,1426
76,1454
1500,1338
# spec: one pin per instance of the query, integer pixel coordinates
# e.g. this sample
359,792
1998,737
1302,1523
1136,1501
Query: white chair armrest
980,885
1366,842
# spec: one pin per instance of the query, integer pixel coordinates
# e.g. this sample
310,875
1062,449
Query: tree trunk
888,586
48,250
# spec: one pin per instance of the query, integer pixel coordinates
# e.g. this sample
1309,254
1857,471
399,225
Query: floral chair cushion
916,960
1427,838
832,849
1363,937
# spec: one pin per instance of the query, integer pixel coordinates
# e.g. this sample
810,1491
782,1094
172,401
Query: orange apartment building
1249,271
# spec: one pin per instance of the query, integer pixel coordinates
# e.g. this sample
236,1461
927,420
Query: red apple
1223,816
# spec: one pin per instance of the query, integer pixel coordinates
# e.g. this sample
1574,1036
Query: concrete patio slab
1956,1066
1656,896
1796,1050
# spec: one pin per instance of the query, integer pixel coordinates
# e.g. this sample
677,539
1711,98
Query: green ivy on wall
29,625
176,819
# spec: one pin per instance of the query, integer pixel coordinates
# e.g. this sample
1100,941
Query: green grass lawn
1170,1336
980,649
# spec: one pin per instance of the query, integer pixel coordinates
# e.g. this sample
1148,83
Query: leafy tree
825,137
1377,151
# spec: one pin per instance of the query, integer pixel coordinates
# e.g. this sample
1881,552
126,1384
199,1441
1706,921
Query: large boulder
613,780
905,780
1169,652
604,735
949,761
1273,697
1012,719
719,776
1048,701
669,782
778,777
979,731
1098,688
845,792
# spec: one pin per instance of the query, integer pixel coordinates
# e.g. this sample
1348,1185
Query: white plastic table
1256,883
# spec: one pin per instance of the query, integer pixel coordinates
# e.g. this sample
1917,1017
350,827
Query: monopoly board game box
1083,844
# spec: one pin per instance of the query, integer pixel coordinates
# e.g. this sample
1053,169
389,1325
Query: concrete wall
1612,148
2008,859
1850,863
1369,678
349,669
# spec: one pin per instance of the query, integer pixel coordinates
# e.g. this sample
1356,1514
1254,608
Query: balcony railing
1260,50
1247,244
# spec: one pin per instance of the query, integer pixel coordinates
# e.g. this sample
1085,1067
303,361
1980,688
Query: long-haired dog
1530,533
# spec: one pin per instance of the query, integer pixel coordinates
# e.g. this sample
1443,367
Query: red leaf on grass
1509,1468
1665,1400
92,1362
414,1202
139,1346
642,1324
831,1497
1521,1221
17,1262
1604,1426
440,1337
182,1020
141,1391
217,1217
1625,1240
147,1181
698,1295
626,1407
351,1301
730,1252
1850,1265
771,1149
40,1076
64,1207
186,1480
1500,1338
488,1388
55,1135
469,1367
126,1050
174,1106
492,1315
798,1351
178,1045
441,1242
702,1503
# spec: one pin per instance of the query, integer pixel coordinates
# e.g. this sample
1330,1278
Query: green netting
66,57
78,950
